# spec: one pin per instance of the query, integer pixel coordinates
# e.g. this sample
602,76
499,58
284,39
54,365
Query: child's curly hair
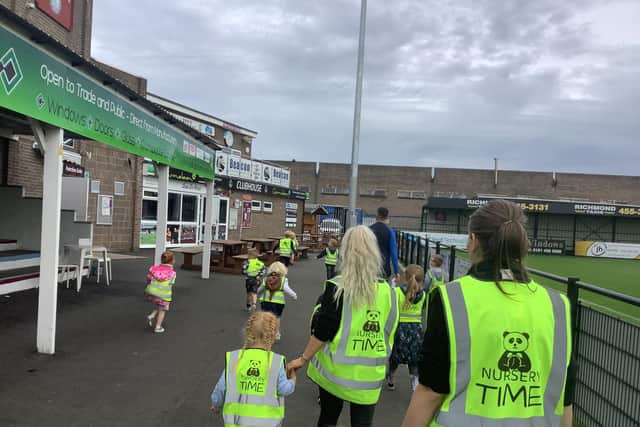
261,327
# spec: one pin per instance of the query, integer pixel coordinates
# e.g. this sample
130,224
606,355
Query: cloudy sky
543,85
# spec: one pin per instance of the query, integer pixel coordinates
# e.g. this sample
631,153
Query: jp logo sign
10,73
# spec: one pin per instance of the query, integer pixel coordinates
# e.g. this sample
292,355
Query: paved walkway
111,370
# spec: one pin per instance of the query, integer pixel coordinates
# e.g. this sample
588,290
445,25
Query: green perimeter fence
606,345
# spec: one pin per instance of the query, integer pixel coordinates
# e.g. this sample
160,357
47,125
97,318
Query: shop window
118,188
149,210
256,205
173,212
189,208
267,206
188,234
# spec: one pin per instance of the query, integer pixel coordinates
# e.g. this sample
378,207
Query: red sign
60,10
246,214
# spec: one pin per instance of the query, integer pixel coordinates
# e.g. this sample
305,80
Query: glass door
221,207
220,218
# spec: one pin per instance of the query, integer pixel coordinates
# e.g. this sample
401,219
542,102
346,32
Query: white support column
208,223
163,207
50,140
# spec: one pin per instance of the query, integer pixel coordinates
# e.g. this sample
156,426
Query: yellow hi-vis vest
160,289
273,296
251,396
353,365
286,247
331,258
509,354
254,267
435,282
412,313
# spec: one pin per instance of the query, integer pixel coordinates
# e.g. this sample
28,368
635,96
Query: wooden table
188,252
262,245
223,253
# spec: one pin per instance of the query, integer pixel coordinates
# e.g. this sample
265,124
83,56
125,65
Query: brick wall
108,166
449,182
78,39
265,224
25,167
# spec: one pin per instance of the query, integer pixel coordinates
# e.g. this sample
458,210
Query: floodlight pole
355,146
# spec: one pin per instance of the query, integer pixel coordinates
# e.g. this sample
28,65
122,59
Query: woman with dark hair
497,345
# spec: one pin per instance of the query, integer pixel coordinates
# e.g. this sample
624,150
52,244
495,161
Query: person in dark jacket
386,243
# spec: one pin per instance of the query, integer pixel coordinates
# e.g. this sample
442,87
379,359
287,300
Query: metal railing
606,346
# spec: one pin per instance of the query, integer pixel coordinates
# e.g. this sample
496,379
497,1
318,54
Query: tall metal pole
355,146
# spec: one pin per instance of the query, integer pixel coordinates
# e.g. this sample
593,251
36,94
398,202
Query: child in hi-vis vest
330,255
254,269
435,275
159,290
407,346
273,289
253,385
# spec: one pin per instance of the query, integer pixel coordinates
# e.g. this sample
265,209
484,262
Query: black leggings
331,406
285,260
331,271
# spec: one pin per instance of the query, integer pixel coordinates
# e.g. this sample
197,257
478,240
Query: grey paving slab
111,370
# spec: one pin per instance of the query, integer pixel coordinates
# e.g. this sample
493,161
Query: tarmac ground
110,369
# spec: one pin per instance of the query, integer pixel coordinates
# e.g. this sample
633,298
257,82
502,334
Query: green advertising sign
38,85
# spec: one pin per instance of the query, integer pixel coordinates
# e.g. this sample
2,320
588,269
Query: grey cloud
446,83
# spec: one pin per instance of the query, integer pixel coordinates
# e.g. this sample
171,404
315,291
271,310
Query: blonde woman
352,333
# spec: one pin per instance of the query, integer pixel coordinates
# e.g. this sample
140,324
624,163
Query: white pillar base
50,140
206,250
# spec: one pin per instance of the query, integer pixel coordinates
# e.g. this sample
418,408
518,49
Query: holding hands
294,365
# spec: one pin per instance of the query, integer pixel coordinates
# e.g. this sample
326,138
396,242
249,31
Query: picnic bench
262,245
187,260
222,256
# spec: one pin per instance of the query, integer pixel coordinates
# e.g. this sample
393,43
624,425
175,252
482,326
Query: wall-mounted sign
228,138
267,172
245,168
241,185
256,171
291,215
72,169
60,10
233,166
607,250
41,86
546,246
222,163
246,214
281,177
104,214
540,206
207,129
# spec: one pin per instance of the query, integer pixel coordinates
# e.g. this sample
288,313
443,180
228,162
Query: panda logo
254,368
220,164
373,321
514,356
267,174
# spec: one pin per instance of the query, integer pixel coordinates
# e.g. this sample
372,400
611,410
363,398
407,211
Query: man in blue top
387,243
